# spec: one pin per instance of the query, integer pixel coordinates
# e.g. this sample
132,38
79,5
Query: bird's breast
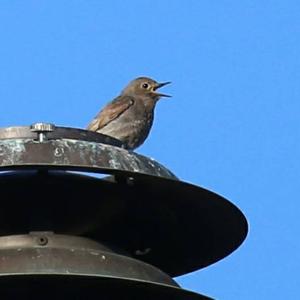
131,127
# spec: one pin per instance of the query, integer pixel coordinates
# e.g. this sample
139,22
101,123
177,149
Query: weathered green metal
21,148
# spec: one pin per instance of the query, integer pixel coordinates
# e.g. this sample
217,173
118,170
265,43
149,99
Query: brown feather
112,111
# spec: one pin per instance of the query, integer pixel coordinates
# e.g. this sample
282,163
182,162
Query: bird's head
145,86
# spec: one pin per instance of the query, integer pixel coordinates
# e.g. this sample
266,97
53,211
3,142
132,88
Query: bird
129,117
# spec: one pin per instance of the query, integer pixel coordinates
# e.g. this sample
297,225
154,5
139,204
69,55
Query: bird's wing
110,112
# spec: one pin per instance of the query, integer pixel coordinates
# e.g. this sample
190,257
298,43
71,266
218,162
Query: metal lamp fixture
69,234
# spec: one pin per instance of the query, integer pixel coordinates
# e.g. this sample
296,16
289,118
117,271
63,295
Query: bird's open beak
159,85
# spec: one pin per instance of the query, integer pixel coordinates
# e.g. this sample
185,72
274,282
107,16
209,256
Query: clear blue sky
232,125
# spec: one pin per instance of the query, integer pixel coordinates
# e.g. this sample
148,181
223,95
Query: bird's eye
145,85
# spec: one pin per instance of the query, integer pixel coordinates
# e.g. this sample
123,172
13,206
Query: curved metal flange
45,259
46,252
70,287
75,150
172,225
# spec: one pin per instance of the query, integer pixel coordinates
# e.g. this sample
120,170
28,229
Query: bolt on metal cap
42,127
